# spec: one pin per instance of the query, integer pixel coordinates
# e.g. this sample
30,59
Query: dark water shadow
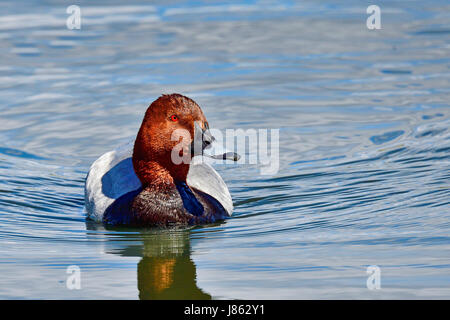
165,270
20,154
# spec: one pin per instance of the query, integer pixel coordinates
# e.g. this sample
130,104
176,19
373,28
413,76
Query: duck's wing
203,177
110,177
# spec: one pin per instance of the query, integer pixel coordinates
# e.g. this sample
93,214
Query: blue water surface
364,158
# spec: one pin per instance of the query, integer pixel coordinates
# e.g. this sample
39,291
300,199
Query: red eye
174,118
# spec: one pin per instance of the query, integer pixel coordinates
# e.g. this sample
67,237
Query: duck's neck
154,176
156,170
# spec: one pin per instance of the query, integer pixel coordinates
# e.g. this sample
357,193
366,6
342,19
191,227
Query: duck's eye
174,118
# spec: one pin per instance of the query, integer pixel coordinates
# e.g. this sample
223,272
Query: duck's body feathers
115,195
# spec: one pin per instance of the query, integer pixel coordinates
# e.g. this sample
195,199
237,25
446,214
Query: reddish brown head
152,154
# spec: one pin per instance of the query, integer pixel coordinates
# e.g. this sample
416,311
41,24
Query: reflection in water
166,270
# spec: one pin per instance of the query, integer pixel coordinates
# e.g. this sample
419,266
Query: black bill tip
233,156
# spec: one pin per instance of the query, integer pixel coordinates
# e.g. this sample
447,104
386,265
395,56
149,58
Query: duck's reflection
166,270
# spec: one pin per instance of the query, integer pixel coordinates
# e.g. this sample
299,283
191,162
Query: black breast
180,205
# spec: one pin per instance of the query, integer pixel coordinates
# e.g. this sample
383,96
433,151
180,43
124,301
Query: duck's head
173,125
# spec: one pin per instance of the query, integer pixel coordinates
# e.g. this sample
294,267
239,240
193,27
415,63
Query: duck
161,179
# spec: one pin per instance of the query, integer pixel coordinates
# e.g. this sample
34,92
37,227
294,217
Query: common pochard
140,185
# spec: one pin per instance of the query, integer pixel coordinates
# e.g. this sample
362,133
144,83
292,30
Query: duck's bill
217,151
233,156
206,145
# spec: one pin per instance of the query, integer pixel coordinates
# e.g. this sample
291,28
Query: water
364,147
